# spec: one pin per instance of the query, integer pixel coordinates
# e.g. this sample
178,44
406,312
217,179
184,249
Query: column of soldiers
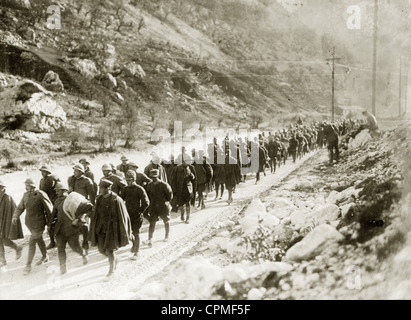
109,214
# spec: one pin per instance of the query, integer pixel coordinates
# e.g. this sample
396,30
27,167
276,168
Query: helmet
30,182
130,175
105,183
154,173
60,186
106,167
45,168
79,167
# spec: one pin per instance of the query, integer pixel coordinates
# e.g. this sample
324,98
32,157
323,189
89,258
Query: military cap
105,183
131,175
84,160
154,173
124,158
79,167
45,168
30,182
60,186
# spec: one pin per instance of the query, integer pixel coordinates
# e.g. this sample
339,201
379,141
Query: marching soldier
118,183
79,183
160,195
47,184
110,227
67,225
137,202
124,166
38,209
8,230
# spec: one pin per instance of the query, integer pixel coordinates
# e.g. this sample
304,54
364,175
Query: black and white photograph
205,154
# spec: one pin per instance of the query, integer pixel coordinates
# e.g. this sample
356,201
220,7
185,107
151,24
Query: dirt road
88,282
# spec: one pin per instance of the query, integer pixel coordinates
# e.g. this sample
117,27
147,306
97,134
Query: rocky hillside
119,66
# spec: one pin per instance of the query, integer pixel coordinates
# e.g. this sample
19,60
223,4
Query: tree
128,124
96,12
38,11
141,24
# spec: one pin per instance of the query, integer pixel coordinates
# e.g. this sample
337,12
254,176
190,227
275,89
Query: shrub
263,245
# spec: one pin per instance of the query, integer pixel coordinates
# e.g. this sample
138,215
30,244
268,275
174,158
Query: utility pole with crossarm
333,87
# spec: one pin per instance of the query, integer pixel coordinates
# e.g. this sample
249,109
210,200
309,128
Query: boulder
314,243
151,291
360,140
345,196
245,270
256,294
30,107
119,97
109,81
87,68
328,212
345,209
253,215
281,207
134,69
332,197
402,291
249,224
123,84
193,278
110,49
255,208
270,221
283,232
300,218
52,82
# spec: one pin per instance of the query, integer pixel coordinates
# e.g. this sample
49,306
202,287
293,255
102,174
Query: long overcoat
118,231
7,229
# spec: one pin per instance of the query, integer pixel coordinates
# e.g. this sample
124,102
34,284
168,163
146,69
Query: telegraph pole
406,87
374,68
400,87
333,89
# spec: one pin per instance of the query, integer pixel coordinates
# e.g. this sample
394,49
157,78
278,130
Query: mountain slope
209,62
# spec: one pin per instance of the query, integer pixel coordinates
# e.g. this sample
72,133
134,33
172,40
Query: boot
19,252
43,260
182,213
188,214
63,269
167,231
85,259
52,245
27,269
112,264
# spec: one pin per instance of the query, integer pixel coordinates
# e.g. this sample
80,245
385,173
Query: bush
263,245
